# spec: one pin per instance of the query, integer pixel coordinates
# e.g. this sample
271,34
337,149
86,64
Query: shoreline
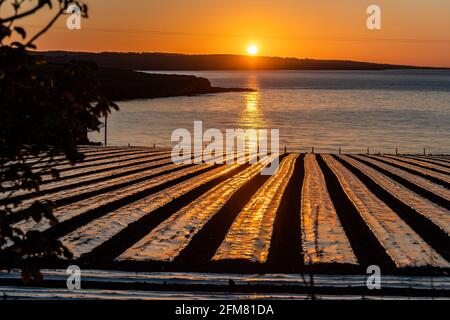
122,85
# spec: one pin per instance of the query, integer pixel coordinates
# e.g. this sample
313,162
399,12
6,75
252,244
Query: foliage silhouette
45,112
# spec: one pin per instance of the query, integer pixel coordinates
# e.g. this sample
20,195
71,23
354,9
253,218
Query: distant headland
121,84
119,79
169,61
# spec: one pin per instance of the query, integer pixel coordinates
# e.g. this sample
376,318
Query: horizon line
242,55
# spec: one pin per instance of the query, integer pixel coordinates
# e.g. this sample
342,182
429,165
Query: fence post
312,150
106,129
396,151
368,151
339,150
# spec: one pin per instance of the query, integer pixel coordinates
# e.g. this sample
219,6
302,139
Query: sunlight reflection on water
353,110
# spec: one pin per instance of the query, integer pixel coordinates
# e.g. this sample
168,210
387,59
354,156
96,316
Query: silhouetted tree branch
45,112
17,4
45,29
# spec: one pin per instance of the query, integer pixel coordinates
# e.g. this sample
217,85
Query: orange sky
415,32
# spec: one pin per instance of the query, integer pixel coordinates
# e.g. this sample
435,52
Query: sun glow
252,50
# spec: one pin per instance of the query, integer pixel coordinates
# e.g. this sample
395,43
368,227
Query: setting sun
252,50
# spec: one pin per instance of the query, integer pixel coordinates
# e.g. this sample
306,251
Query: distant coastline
121,84
169,61
120,81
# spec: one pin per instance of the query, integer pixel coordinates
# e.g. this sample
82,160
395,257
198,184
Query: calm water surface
325,109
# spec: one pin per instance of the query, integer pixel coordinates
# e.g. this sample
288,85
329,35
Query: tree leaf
21,31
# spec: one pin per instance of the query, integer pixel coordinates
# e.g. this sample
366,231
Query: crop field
133,210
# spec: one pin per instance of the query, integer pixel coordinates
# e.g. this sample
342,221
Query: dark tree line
45,112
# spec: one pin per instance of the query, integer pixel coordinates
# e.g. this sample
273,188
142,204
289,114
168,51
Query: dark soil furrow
113,247
86,195
115,160
98,157
405,160
410,185
365,245
432,179
286,244
430,160
426,229
204,244
81,183
70,225
82,174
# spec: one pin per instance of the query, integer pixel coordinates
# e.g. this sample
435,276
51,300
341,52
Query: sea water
328,110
